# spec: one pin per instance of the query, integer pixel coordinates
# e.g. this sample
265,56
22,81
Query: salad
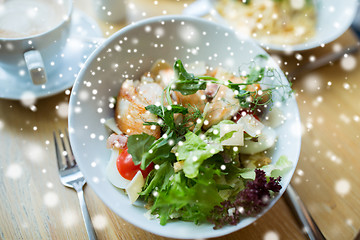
194,146
271,21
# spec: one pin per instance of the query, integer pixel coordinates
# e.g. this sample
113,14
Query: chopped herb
187,84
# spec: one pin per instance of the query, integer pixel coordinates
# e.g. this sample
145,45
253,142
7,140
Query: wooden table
34,204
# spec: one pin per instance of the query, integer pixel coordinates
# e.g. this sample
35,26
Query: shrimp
130,112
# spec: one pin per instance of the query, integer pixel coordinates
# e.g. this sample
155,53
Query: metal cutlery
71,177
308,224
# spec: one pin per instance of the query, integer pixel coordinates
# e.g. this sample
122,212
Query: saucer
13,85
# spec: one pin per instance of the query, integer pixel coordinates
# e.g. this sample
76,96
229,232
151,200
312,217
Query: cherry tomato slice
127,168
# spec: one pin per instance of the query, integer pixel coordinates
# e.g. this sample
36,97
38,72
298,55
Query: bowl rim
296,47
80,78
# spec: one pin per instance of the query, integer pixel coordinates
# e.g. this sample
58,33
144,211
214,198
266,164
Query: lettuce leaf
214,132
282,165
248,202
278,169
194,151
158,179
187,199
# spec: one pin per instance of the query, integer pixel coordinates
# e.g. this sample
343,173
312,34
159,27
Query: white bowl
127,54
334,18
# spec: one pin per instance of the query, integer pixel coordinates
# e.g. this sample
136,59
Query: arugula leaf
188,87
157,110
181,72
187,83
194,151
138,145
160,151
160,179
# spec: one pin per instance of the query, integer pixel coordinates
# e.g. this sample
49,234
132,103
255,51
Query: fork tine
58,153
71,155
66,156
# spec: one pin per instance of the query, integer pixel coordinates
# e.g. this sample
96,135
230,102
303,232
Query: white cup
32,32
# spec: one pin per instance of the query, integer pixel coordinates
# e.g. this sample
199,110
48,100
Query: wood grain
34,204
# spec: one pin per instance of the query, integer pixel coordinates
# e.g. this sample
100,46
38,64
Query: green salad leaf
282,165
167,114
186,82
145,149
138,145
187,199
158,179
213,133
194,151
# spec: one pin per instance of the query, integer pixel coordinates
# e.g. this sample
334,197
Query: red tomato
127,168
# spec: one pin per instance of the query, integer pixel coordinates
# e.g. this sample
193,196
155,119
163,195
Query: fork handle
309,226
85,213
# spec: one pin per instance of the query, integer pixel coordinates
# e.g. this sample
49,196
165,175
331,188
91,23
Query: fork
71,177
310,228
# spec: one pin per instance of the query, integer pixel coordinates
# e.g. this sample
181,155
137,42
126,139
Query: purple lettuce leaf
248,202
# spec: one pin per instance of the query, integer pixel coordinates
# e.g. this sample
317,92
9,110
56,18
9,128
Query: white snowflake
297,180
337,47
277,59
356,118
296,129
159,32
28,98
312,83
342,187
62,109
348,63
346,86
2,125
34,152
300,172
14,171
69,218
99,221
333,157
344,118
188,33
271,235
51,199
